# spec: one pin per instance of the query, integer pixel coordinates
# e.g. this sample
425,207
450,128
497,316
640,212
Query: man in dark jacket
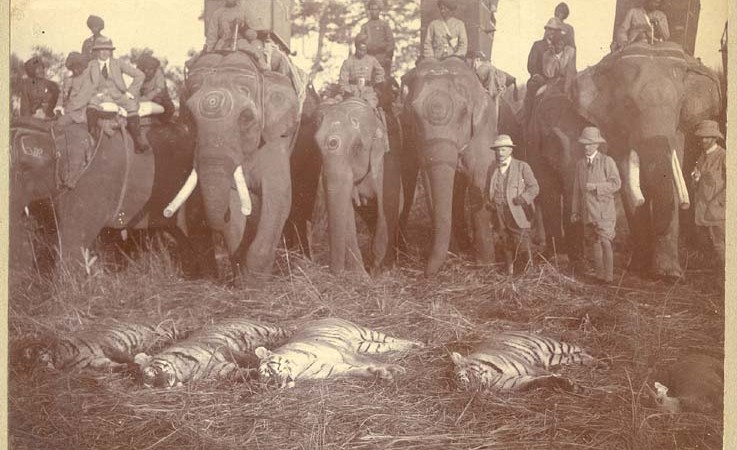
553,29
380,38
36,91
154,87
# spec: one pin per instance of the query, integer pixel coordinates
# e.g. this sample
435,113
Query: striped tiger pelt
517,361
103,347
216,351
330,348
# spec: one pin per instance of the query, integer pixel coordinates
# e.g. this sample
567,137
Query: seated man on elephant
154,87
37,92
96,25
360,73
106,75
379,37
220,32
251,45
77,92
537,79
445,36
494,80
645,23
595,183
512,191
559,65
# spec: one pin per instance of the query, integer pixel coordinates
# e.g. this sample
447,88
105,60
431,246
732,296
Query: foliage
334,23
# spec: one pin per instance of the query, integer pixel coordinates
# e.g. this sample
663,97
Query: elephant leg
460,240
276,198
79,224
483,234
390,200
44,236
410,168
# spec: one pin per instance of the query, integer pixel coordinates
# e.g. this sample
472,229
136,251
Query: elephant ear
281,111
702,99
592,99
480,112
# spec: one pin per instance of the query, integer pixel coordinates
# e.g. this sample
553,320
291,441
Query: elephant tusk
680,182
242,188
183,195
633,179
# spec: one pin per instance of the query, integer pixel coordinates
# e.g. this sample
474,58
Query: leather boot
140,145
92,122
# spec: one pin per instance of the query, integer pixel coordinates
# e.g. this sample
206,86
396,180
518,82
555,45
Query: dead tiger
105,347
517,361
330,348
216,351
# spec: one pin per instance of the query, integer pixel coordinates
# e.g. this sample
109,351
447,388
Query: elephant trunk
216,177
441,160
338,189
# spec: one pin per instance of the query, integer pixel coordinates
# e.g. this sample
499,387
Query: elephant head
352,144
245,121
645,99
455,121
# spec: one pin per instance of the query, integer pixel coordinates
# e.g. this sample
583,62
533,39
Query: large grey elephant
359,169
245,123
455,122
646,100
117,188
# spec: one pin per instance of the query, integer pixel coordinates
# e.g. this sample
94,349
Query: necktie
104,71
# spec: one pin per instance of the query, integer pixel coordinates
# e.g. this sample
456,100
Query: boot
92,123
140,145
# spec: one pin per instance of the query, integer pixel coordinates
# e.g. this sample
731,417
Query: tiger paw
387,372
142,359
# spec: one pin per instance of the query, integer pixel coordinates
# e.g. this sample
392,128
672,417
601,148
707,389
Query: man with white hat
596,180
710,179
106,75
512,191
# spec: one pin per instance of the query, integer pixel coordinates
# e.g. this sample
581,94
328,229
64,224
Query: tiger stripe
209,353
516,360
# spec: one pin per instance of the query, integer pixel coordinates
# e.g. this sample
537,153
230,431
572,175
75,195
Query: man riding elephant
106,75
360,73
37,92
154,87
379,37
645,23
445,36
220,33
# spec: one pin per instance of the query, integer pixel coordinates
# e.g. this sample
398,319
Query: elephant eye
332,143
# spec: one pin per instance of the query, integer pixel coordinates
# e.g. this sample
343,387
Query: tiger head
38,355
274,368
159,374
470,373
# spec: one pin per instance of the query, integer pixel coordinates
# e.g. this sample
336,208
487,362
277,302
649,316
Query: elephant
646,99
361,167
455,122
117,188
246,122
552,150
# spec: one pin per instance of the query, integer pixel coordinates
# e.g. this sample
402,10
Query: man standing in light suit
106,75
512,191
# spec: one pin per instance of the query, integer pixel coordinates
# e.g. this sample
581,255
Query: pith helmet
503,140
591,135
103,43
708,128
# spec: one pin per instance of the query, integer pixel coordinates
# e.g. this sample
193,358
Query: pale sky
171,28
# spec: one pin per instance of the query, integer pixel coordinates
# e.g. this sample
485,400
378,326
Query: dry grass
636,328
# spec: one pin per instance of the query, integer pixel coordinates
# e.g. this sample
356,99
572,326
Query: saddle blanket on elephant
70,147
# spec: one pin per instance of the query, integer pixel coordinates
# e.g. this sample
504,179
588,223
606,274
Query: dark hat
708,128
76,59
374,4
103,43
361,38
31,65
447,3
146,62
95,21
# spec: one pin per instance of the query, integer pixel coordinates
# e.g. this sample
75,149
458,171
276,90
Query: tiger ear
456,357
262,352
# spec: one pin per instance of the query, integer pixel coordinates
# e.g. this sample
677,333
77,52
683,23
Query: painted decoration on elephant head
216,104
